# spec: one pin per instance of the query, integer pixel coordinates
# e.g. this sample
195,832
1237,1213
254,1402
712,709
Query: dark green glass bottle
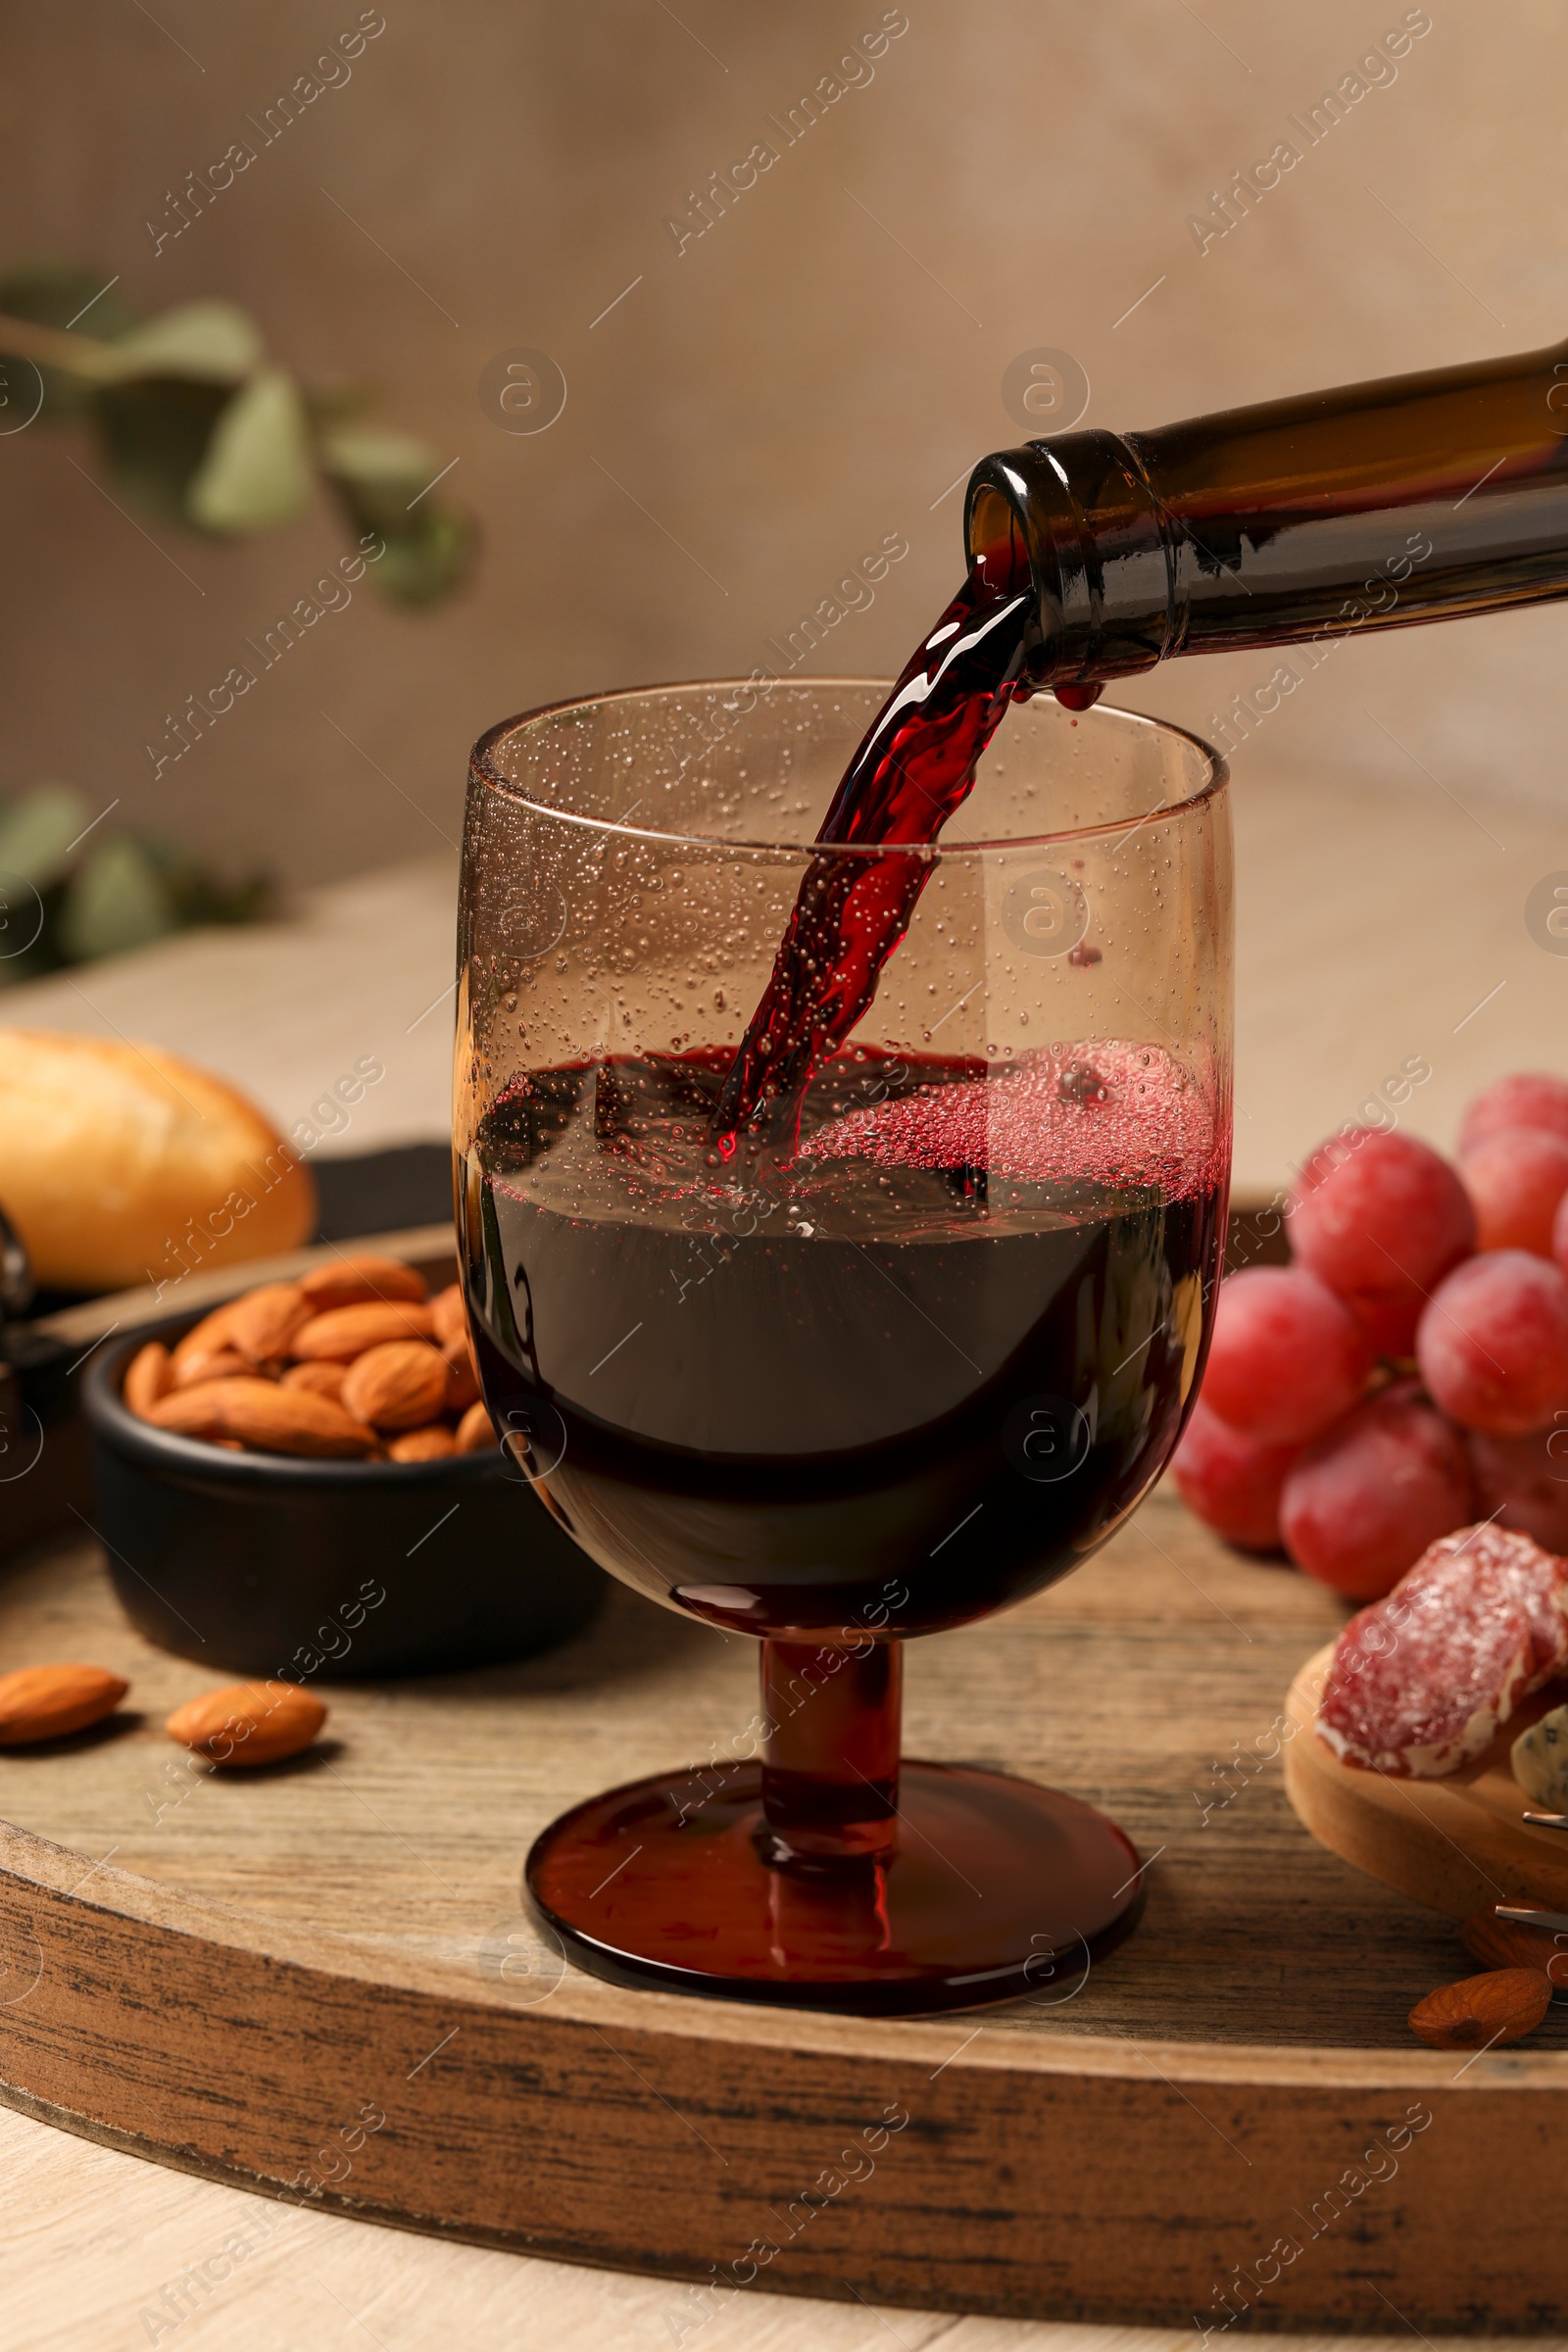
1373,506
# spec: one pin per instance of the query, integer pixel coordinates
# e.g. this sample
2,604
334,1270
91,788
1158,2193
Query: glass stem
830,1775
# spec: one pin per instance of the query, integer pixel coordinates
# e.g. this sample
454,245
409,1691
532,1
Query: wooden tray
239,1976
1455,1844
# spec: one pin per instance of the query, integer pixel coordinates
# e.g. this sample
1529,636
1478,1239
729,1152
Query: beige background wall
800,380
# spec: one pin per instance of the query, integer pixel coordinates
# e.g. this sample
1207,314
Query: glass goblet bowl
903,1353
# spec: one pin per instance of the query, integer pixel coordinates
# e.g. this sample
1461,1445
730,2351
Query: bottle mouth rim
485,770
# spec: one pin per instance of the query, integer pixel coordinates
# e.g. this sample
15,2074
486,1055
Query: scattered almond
449,1314
345,1332
248,1722
476,1431
323,1379
264,1320
148,1375
431,1444
1481,2012
44,1703
262,1413
360,1282
1510,1943
400,1384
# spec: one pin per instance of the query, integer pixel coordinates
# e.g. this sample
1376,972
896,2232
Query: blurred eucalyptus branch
196,424
87,889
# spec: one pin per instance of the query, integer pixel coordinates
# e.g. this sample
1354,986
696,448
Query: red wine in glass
905,1386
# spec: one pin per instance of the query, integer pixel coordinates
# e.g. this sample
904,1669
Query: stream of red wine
914,766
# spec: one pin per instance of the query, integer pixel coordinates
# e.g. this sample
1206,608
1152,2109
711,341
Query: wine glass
879,1383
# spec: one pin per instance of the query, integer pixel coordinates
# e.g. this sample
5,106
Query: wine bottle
1373,506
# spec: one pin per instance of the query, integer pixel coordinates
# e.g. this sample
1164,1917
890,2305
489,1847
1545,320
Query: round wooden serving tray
240,1975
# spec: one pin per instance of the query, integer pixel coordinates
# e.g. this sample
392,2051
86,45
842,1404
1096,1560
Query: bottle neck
1373,506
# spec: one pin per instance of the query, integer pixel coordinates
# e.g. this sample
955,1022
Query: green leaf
156,438
427,559
332,407
377,473
44,955
257,471
371,456
55,293
380,480
207,342
198,895
37,830
52,293
116,901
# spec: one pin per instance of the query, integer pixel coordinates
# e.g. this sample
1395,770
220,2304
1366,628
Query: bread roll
120,1165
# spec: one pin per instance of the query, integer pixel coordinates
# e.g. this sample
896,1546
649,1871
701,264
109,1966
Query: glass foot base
994,1890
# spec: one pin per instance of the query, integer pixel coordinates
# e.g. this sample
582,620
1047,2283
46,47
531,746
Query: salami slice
1425,1678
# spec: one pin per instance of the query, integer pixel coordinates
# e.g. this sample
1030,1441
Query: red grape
1525,1483
1516,1179
1232,1481
1381,1218
1287,1357
1529,1098
1493,1342
1559,1234
1363,1502
1389,1320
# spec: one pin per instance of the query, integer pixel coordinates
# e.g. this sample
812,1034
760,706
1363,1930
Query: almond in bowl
304,1515
354,1363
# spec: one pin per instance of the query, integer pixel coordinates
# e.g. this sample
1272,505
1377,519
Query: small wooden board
1455,1844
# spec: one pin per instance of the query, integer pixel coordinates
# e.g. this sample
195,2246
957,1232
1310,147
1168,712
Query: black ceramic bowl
269,1565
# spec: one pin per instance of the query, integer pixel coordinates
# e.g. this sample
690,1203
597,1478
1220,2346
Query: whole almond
272,1419
264,1415
431,1444
477,1432
323,1379
400,1384
1510,1943
196,1412
217,1363
205,1337
361,1282
345,1332
449,1313
148,1375
44,1703
248,1722
463,1374
1479,2012
264,1320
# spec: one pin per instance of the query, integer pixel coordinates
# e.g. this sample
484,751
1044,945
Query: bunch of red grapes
1408,1371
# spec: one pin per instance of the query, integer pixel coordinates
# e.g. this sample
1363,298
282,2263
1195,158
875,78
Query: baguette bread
120,1165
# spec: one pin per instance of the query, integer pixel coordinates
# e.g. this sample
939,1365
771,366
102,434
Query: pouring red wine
835,1333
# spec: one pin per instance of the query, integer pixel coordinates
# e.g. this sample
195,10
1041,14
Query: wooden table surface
1371,932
